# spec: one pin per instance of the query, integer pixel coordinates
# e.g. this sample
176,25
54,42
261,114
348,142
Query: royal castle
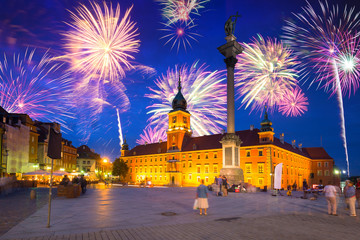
183,160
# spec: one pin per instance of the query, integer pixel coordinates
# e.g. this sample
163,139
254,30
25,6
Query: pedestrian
350,195
202,197
225,186
83,184
294,186
305,188
65,181
220,185
330,195
344,191
357,193
75,180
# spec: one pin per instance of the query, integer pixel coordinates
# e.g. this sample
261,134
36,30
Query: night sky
40,23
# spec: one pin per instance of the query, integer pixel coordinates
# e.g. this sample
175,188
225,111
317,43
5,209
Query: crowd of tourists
82,181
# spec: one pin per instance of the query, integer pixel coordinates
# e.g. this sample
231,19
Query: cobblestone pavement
134,213
17,206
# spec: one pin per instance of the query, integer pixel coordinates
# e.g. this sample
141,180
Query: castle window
326,173
150,170
249,180
215,169
260,167
260,152
248,167
174,119
198,178
261,181
326,164
248,153
155,170
319,172
160,169
184,165
145,160
198,168
207,179
150,159
198,156
206,168
130,161
184,119
206,156
190,176
145,170
215,155
319,164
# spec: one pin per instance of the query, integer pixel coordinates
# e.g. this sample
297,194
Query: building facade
68,156
184,160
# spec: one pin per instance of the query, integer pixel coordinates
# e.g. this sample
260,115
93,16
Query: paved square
136,213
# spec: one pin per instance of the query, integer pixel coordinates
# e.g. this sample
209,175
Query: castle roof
317,153
249,138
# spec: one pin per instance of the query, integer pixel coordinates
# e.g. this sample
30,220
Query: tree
120,168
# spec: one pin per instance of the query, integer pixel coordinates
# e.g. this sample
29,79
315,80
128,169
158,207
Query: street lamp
344,172
105,160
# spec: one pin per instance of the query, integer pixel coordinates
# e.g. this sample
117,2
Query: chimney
300,146
282,138
293,142
251,127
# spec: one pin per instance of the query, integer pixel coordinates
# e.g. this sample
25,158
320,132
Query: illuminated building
183,160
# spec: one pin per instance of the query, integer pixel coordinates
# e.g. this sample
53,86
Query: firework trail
120,130
328,37
152,135
180,10
101,42
30,86
266,74
204,91
294,103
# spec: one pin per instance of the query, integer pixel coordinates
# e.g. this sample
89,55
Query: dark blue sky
39,23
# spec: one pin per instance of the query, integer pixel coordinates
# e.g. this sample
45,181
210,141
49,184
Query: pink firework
152,135
179,35
294,103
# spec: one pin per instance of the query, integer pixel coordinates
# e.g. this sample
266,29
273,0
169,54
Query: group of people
220,186
351,194
82,181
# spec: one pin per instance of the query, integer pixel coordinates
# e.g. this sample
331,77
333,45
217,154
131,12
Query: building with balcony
183,160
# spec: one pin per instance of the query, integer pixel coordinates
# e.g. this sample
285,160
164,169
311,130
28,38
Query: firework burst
266,72
204,92
101,42
152,135
294,103
29,86
179,35
329,39
180,10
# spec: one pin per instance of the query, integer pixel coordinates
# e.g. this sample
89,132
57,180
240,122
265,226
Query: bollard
32,194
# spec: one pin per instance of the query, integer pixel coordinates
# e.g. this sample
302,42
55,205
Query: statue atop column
230,24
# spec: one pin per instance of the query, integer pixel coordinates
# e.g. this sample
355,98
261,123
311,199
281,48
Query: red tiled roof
248,138
152,148
317,153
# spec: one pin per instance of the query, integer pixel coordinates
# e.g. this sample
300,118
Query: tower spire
179,87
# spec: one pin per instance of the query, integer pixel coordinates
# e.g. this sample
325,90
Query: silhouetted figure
83,184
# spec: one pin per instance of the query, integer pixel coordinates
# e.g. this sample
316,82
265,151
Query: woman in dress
202,197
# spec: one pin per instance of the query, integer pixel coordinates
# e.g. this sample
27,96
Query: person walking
225,186
330,195
202,197
357,192
344,191
350,195
305,188
220,185
83,184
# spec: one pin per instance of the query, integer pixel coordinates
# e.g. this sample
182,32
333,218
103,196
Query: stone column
231,142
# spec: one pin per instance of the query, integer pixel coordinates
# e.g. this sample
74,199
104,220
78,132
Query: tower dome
179,102
266,123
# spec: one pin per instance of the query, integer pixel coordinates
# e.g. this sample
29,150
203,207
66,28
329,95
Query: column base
233,175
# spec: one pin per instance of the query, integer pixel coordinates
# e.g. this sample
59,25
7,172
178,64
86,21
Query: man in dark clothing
83,183
65,181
